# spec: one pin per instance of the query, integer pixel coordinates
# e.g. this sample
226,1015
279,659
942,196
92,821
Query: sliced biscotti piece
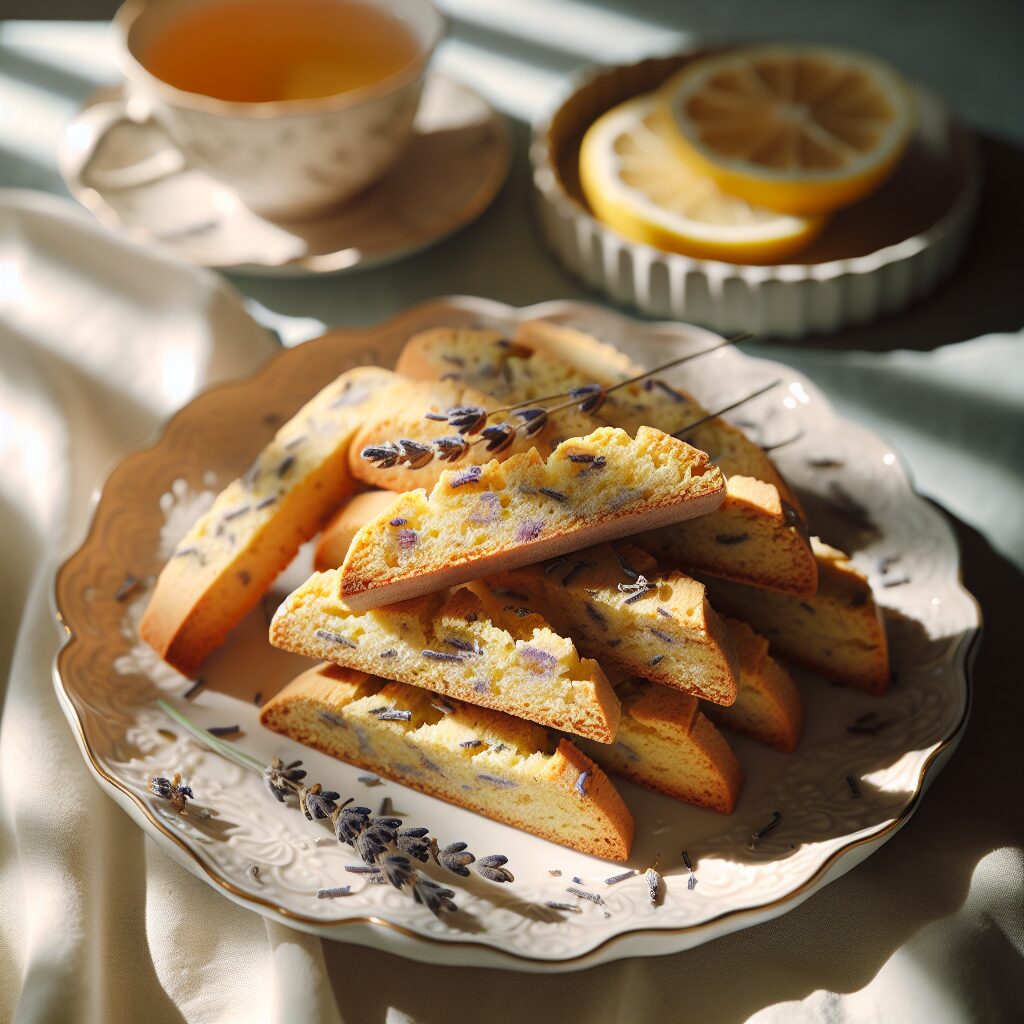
651,401
839,632
336,537
485,519
753,537
768,707
618,609
665,743
234,551
483,760
416,411
456,644
546,359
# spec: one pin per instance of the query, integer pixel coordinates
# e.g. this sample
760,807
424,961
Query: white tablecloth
96,924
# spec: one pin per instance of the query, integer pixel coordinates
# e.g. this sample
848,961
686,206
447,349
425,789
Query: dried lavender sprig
584,895
338,890
726,408
756,837
621,877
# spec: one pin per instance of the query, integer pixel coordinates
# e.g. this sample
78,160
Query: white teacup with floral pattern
284,159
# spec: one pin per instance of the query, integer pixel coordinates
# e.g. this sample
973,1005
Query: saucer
453,168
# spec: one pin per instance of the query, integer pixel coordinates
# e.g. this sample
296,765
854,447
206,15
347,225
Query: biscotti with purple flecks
416,410
617,607
774,551
666,744
458,644
839,632
485,519
768,707
233,553
482,760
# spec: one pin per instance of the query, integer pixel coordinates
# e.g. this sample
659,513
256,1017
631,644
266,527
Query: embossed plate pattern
107,681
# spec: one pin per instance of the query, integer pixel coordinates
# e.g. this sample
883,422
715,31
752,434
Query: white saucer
454,166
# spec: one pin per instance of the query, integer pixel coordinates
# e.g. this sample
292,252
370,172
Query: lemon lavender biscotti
618,609
768,707
416,411
458,645
232,554
484,519
666,744
839,632
759,508
483,760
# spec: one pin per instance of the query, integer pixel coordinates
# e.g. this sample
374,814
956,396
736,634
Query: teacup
285,158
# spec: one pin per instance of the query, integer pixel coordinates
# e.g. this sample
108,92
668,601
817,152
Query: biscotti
666,744
233,553
482,760
768,707
415,411
753,537
336,537
547,359
484,519
618,609
456,644
839,632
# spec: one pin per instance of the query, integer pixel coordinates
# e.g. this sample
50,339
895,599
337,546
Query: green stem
228,750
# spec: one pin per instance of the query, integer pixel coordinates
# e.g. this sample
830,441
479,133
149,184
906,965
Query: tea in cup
297,105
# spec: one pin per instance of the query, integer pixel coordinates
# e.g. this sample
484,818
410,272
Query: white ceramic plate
455,165
107,681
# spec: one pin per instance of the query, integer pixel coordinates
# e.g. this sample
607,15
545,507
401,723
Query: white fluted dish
873,259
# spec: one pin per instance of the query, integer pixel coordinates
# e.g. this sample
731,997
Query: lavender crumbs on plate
851,782
655,660
615,879
554,495
338,890
369,780
664,612
440,655
686,861
691,883
398,521
756,837
469,475
574,908
654,886
577,879
580,786
224,730
286,464
555,872
824,462
335,638
129,586
661,636
584,895
194,688
899,582
362,869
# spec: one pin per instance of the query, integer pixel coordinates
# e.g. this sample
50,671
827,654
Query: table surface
930,927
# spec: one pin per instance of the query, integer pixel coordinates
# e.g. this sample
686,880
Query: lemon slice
797,129
635,182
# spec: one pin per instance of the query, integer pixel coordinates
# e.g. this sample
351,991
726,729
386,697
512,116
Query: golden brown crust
426,753
666,744
234,552
537,509
334,540
838,632
768,708
752,538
